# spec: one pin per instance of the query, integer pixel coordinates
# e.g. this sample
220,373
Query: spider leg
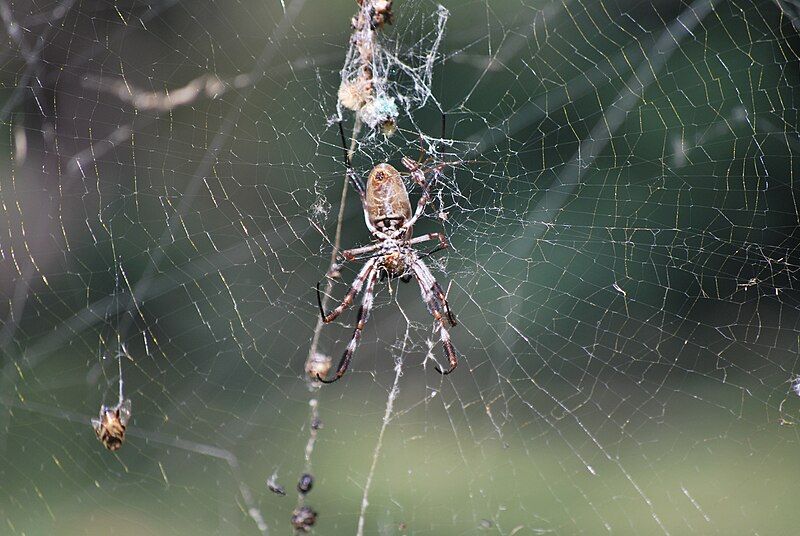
427,286
422,151
355,288
418,176
449,350
437,249
363,316
435,286
351,254
429,236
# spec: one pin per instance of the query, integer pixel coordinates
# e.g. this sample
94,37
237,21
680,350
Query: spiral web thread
622,216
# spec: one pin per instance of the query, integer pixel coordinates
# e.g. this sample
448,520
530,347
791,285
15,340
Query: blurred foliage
625,361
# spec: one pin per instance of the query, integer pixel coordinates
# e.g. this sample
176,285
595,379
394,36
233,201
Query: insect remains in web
388,216
305,483
795,382
274,487
318,365
112,421
303,518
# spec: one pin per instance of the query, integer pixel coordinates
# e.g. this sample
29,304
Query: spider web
621,211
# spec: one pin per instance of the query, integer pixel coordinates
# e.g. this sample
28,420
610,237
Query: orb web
621,211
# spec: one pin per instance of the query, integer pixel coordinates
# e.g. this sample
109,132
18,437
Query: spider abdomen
386,200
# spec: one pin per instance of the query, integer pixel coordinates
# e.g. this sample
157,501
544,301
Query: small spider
110,427
387,213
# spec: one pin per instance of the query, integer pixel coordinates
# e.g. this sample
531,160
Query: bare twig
207,85
337,242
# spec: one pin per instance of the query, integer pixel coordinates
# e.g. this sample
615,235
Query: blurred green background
624,269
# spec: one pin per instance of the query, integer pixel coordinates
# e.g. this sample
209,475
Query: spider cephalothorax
387,213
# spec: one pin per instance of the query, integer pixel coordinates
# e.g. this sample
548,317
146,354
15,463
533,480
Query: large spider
387,213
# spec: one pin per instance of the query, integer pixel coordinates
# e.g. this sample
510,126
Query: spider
112,421
387,214
111,424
